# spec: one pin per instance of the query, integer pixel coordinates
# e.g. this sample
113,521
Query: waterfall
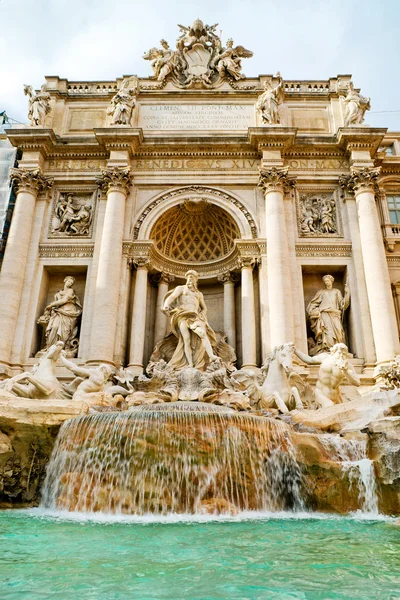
352,457
177,458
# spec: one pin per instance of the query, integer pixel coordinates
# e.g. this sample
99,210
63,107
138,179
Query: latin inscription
76,165
196,116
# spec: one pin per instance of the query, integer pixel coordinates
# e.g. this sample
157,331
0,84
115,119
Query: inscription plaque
197,116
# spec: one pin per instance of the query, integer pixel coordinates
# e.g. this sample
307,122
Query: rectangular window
394,208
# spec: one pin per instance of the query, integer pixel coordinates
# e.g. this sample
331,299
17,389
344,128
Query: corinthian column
115,182
228,279
249,355
273,181
161,320
363,183
138,319
27,184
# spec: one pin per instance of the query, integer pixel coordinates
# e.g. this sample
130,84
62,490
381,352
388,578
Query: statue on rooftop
229,60
355,106
123,103
269,101
39,105
326,311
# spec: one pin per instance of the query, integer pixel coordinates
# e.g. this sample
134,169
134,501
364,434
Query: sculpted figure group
199,57
71,218
193,362
318,215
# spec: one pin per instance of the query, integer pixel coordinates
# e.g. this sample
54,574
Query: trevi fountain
199,350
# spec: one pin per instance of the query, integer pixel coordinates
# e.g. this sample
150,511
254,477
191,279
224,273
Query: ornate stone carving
326,250
318,215
66,251
61,319
29,181
325,312
199,58
245,262
165,277
72,215
274,179
124,101
115,179
355,106
335,368
139,262
88,381
269,101
389,375
360,180
39,105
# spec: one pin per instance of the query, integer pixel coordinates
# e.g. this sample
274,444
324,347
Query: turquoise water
268,557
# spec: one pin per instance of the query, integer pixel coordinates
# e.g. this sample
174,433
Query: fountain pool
279,556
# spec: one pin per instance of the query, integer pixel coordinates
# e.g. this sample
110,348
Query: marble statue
389,375
188,313
269,101
335,368
318,215
277,386
199,58
72,218
61,318
41,382
355,106
164,60
124,101
39,105
229,60
89,380
325,311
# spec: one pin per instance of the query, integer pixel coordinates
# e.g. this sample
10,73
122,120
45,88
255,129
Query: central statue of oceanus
188,313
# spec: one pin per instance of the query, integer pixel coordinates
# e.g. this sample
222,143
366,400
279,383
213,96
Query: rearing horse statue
279,382
42,382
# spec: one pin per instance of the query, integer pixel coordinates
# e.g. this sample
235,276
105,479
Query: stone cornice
42,140
271,137
115,179
275,179
360,138
29,181
119,138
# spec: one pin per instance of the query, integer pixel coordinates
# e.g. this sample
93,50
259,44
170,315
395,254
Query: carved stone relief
72,214
318,215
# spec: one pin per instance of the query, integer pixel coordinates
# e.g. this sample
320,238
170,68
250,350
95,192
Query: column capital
275,179
248,262
163,277
360,180
140,262
115,179
228,277
29,181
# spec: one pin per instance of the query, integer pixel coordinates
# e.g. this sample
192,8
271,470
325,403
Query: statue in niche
39,105
269,101
326,311
229,60
70,217
318,215
355,106
61,318
188,313
335,368
124,101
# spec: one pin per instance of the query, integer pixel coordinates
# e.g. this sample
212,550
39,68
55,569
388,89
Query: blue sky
98,39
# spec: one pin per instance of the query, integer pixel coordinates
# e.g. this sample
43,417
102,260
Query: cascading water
352,457
176,458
